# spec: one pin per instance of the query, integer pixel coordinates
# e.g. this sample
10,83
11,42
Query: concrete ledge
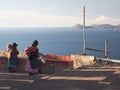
53,62
82,60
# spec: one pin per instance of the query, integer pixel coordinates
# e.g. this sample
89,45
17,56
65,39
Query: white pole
84,32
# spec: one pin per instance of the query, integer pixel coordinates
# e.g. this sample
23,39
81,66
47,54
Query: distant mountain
104,26
77,26
99,26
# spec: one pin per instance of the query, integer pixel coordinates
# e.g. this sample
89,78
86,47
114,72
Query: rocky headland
99,26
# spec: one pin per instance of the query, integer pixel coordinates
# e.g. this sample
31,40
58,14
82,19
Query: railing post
106,49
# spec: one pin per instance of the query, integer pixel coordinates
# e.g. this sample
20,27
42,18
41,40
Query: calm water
62,41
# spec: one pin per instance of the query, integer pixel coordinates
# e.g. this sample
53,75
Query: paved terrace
78,79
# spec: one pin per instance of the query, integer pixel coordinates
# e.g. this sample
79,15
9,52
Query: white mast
84,32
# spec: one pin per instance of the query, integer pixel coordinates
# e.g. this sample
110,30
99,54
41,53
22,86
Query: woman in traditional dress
12,57
32,61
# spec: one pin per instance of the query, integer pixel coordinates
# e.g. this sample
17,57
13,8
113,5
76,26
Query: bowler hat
14,44
35,42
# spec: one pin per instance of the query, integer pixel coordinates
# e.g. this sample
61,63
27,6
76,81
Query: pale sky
57,13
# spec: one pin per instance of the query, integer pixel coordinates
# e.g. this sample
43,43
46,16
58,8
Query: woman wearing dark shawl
32,61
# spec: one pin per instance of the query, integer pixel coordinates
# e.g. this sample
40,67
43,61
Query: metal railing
105,51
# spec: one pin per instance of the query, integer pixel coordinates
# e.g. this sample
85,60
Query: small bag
41,59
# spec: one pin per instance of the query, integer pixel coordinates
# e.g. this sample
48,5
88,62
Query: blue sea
63,41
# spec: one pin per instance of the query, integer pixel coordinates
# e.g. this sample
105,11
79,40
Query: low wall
82,60
22,57
53,62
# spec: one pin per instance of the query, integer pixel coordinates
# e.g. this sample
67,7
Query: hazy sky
57,13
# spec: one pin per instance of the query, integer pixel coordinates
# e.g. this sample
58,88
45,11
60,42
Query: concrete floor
79,79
